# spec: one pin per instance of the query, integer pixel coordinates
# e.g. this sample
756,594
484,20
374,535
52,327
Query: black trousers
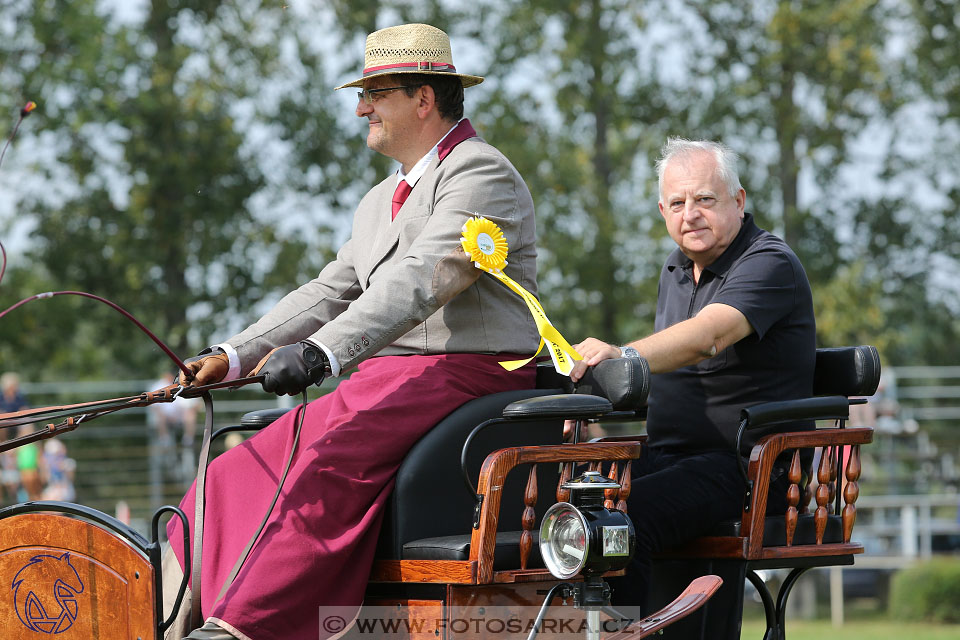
675,497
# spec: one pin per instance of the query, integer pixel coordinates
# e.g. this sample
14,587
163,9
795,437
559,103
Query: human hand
290,369
205,369
592,351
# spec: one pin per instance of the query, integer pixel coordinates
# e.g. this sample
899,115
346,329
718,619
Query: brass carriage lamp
583,536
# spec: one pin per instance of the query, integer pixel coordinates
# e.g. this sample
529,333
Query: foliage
580,127
189,159
153,124
928,592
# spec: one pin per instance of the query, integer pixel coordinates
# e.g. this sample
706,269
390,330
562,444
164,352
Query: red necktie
399,197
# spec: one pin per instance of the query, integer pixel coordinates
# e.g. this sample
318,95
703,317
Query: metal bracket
477,510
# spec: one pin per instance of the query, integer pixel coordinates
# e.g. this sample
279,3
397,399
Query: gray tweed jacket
406,286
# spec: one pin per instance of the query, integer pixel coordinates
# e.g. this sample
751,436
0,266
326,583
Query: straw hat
409,48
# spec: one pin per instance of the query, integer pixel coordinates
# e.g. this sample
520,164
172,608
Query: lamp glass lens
563,541
616,541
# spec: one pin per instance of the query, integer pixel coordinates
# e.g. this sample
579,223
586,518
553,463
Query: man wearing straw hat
404,304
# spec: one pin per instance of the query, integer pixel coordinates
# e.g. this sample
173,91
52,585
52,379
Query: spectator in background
9,477
176,416
176,424
57,470
11,398
21,468
28,464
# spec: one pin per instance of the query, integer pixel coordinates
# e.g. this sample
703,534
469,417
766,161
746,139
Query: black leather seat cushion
506,554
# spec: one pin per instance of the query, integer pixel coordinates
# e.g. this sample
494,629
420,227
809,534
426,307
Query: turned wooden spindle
793,496
610,495
563,495
625,485
851,491
822,495
596,465
529,518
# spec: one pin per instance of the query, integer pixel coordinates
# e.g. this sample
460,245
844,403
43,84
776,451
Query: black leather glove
290,369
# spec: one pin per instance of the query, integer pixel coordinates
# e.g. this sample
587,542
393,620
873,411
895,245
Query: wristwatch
629,352
316,361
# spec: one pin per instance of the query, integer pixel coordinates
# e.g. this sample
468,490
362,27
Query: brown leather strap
302,409
27,416
199,502
87,411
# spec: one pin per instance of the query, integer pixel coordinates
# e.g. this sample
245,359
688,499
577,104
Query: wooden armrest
762,458
493,474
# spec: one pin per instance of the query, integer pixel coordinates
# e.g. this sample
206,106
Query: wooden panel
73,579
421,618
812,550
454,571
521,575
485,612
537,575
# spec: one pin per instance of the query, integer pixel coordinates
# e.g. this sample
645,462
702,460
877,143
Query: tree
153,126
790,85
574,104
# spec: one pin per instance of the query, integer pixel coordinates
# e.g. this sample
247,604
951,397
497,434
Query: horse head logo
45,591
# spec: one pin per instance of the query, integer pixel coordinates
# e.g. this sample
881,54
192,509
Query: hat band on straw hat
440,67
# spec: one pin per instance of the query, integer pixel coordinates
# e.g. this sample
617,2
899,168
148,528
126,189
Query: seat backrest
430,498
847,371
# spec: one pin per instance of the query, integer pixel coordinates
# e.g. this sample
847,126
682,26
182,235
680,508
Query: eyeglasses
369,96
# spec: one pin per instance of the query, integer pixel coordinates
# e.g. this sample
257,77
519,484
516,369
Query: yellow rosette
483,241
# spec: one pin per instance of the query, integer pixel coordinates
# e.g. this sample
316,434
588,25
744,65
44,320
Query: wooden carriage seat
531,418
817,528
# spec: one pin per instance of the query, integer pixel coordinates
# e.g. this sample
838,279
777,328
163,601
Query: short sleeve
763,286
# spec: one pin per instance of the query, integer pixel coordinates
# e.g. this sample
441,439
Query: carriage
496,527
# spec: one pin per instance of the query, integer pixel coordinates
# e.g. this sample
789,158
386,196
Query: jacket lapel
379,233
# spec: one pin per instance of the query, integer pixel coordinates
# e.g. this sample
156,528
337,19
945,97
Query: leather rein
73,415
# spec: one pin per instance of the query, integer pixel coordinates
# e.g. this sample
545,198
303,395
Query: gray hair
8,380
726,159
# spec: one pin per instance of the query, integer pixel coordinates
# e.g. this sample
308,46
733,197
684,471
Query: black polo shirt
697,408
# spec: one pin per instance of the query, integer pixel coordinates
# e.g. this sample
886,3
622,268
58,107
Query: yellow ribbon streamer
483,241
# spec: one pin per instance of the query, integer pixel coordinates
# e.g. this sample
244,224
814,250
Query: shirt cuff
334,365
234,371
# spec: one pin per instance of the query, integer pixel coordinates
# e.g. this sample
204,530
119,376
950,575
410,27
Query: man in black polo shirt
734,327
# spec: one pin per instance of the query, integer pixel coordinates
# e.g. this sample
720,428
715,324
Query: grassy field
876,629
